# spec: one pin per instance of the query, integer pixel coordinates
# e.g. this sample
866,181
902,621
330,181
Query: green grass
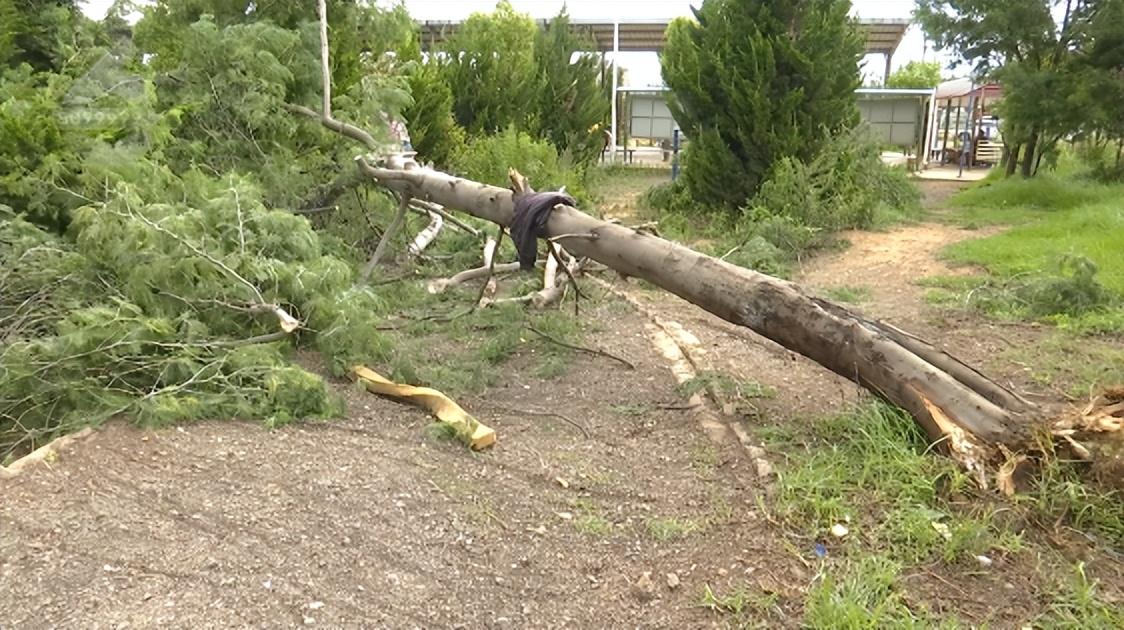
1076,606
1093,231
744,603
1059,262
671,528
860,595
848,294
907,508
871,470
593,525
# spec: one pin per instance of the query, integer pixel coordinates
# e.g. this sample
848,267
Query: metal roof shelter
647,35
882,36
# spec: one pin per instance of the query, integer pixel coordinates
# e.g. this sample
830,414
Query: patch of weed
671,528
1059,496
1069,362
631,409
862,595
848,294
1076,606
593,525
871,468
724,385
743,602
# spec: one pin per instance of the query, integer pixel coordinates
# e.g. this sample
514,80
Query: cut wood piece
939,391
426,236
490,285
44,454
467,428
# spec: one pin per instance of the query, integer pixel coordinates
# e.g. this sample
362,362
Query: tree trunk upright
1012,159
1029,156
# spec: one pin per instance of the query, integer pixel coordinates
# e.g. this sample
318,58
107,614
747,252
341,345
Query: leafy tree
916,75
756,81
1020,43
490,68
571,105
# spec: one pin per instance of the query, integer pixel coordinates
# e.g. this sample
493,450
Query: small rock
316,605
764,468
308,621
943,530
984,561
672,581
644,589
565,515
839,530
562,482
723,572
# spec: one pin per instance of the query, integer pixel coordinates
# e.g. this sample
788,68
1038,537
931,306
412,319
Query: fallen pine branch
547,414
593,351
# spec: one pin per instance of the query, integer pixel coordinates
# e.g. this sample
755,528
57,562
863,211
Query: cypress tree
755,81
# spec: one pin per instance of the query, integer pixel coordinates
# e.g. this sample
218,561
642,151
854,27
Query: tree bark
1029,156
969,414
1013,159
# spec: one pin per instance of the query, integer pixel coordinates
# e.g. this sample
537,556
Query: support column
886,76
613,127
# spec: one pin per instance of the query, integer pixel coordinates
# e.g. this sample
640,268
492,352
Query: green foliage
434,131
570,104
795,211
844,186
916,75
491,70
1077,606
501,71
1060,77
488,158
152,310
755,82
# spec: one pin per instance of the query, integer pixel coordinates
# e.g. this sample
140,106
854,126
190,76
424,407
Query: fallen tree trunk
971,415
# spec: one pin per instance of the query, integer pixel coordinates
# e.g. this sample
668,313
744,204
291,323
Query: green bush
796,210
843,187
488,158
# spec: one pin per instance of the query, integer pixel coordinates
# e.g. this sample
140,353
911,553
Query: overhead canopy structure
882,36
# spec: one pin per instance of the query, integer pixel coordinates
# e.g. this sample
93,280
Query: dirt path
365,522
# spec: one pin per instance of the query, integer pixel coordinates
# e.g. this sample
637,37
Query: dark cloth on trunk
532,211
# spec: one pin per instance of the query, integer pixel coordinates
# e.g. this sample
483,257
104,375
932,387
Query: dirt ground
367,522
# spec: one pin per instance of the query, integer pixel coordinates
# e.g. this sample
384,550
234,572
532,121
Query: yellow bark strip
468,429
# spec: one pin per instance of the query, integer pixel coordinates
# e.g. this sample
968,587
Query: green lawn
1040,268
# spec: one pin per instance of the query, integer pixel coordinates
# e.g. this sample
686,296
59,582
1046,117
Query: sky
643,69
